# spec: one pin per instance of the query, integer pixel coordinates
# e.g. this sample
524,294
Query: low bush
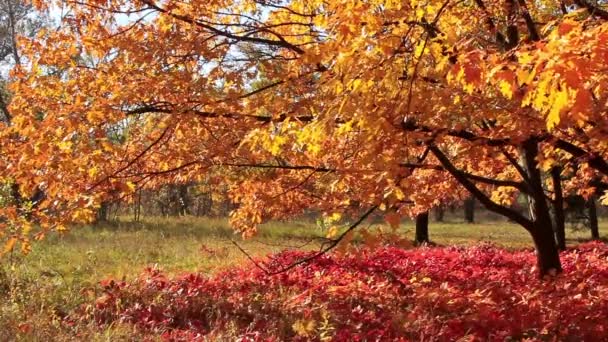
477,293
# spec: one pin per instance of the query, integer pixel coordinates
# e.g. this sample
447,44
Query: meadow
64,271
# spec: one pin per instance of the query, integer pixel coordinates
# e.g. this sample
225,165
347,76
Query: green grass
63,271
505,234
123,249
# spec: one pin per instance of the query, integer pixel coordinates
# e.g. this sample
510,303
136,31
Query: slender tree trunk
595,232
558,209
13,31
422,228
439,213
206,205
137,207
184,200
542,232
103,212
117,206
452,208
469,209
162,206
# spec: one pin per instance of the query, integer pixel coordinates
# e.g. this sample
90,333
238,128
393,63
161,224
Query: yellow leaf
65,146
93,171
523,76
26,247
339,88
107,146
524,58
10,244
560,102
506,89
346,127
335,217
332,232
547,163
399,194
276,143
131,186
304,328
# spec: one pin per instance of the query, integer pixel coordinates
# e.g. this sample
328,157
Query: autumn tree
17,18
345,107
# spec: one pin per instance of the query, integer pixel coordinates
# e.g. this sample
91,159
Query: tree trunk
469,209
595,232
184,200
542,231
103,212
439,213
558,209
422,228
539,225
13,32
547,254
137,206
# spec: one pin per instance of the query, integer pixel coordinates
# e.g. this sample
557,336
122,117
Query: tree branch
476,178
411,125
483,198
279,43
497,182
532,31
204,114
592,9
594,160
515,164
333,243
132,161
283,167
500,38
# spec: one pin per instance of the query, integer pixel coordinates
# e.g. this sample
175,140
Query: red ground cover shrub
480,293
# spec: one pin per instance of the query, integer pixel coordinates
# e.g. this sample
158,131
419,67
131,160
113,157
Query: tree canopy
340,106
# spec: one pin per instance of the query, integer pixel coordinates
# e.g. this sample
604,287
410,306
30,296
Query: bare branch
333,243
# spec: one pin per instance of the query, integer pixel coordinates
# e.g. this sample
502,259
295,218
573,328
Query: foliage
335,106
479,293
339,107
